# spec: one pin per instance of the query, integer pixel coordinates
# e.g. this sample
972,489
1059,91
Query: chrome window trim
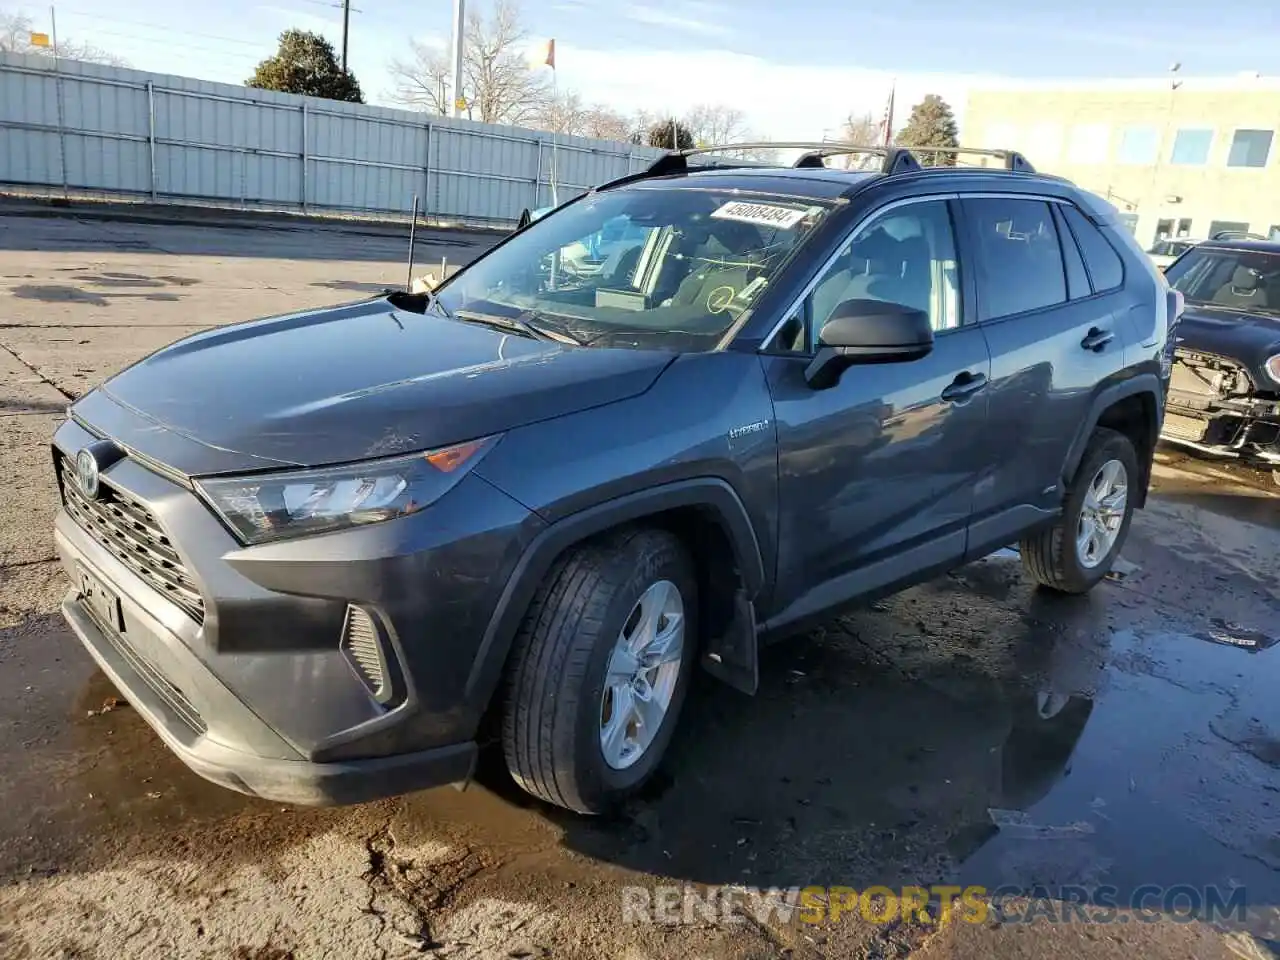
826,266
893,205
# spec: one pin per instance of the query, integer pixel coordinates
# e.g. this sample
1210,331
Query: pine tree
305,64
932,124
663,132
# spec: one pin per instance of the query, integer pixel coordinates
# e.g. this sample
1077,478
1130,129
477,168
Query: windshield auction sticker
764,214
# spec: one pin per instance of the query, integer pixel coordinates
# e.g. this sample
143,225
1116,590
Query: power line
162,29
181,45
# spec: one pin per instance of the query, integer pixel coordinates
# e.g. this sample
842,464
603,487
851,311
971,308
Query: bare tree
862,130
564,113
423,80
604,123
15,37
497,81
716,123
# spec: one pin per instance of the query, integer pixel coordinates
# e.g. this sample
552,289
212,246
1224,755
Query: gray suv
328,554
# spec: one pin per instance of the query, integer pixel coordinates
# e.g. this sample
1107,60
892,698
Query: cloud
707,25
783,101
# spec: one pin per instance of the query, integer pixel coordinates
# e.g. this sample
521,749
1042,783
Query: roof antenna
413,224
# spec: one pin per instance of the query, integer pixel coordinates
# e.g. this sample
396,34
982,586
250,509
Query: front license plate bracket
101,601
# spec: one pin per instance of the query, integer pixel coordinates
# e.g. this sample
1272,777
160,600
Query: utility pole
346,19
459,25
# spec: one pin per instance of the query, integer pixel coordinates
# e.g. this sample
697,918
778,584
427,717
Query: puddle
1234,635
63,293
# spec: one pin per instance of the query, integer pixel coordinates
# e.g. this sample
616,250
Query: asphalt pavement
971,731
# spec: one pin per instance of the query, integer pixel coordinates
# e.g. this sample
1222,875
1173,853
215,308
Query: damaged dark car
1224,394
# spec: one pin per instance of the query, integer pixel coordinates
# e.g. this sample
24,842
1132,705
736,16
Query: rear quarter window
1106,269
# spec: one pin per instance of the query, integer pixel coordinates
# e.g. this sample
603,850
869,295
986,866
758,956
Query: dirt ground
906,744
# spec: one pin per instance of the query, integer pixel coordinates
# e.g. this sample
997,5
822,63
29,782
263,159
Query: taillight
1177,303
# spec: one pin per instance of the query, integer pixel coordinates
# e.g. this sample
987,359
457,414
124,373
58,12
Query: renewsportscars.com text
942,904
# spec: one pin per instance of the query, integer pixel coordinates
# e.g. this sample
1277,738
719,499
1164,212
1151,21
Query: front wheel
1077,552
600,670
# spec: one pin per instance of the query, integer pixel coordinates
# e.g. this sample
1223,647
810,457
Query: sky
796,68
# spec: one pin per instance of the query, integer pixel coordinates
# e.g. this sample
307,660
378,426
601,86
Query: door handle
1097,339
964,386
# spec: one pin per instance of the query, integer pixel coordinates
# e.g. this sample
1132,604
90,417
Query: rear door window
1021,267
1106,269
1077,276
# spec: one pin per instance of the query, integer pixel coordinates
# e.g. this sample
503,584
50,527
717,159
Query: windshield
1247,280
646,266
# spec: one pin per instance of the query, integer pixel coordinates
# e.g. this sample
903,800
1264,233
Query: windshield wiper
523,324
553,331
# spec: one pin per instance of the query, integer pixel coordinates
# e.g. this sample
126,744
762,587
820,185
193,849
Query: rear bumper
286,781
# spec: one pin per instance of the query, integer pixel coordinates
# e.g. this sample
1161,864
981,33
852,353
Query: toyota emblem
87,473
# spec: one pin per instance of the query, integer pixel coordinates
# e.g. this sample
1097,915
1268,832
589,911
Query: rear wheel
1074,554
600,670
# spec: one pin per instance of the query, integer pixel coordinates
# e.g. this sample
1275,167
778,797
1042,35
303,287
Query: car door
876,472
1053,323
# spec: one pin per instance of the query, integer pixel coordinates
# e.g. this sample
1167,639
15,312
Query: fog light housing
364,647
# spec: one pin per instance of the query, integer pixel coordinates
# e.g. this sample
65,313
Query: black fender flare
710,493
1141,383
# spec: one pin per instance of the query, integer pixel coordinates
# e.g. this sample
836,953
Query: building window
1184,227
1129,221
1088,143
1191,147
1274,232
1001,136
1044,143
1138,146
1250,148
1227,226
1164,229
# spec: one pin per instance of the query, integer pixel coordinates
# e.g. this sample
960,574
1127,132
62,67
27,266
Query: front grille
129,531
175,699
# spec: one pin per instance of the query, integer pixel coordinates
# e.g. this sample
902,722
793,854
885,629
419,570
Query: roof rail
1013,160
1233,235
893,159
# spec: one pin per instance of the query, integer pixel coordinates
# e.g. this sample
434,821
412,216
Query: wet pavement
1118,747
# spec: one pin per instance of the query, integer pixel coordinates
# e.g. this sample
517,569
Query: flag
888,115
40,40
544,54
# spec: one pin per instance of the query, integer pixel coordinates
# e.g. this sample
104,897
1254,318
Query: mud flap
731,657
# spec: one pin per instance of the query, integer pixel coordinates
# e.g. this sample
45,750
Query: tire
1052,556
555,707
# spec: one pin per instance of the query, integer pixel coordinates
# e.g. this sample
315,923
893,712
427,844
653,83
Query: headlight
1273,368
273,506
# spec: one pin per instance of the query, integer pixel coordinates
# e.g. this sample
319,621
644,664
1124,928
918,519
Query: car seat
1243,290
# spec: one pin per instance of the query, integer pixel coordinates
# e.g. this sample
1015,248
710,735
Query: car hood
1246,338
349,383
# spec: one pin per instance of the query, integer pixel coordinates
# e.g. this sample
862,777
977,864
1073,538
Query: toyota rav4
327,554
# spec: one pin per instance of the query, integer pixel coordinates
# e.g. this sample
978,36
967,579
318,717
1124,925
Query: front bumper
252,689
284,781
1248,430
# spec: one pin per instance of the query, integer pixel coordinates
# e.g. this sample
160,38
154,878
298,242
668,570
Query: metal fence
71,127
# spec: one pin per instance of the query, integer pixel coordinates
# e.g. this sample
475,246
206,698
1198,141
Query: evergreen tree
305,64
931,124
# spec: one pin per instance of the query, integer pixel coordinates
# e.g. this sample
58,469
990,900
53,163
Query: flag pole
888,115
555,108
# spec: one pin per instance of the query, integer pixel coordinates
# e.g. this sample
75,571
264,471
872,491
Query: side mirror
868,331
